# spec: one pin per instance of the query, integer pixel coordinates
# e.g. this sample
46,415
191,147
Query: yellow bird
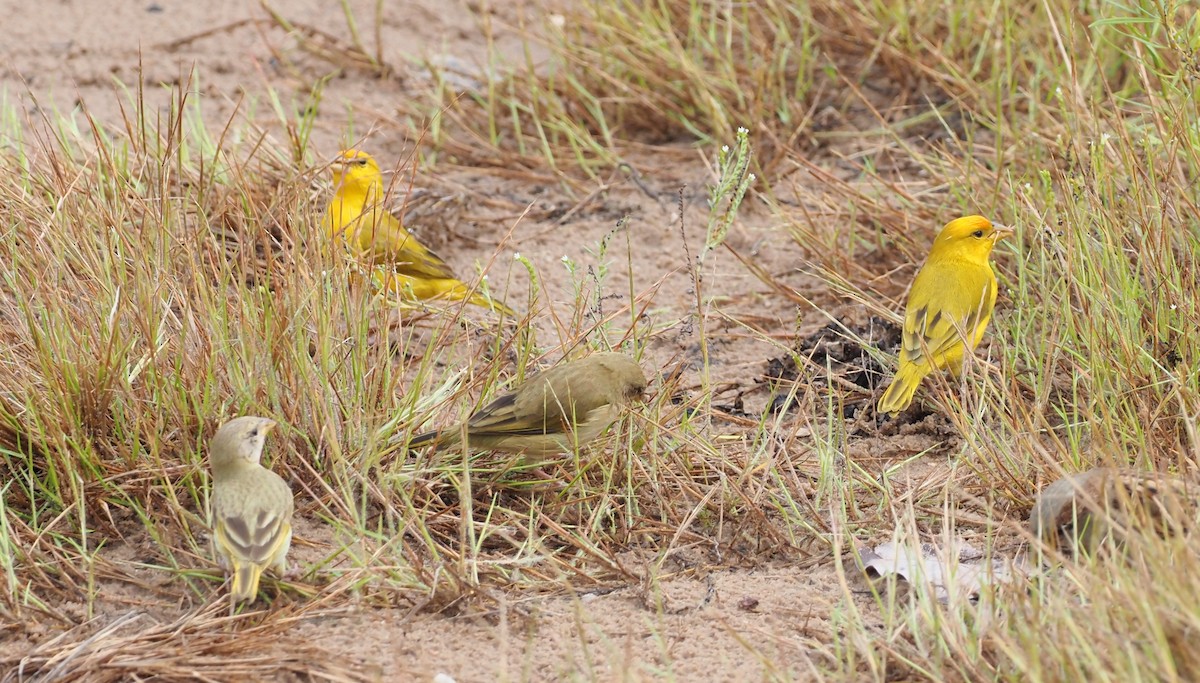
252,506
357,217
948,308
558,409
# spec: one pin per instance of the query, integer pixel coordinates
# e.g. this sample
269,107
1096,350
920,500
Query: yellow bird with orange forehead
948,308
356,216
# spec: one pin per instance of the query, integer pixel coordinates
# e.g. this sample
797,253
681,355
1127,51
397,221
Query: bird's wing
259,532
510,416
944,317
532,410
382,237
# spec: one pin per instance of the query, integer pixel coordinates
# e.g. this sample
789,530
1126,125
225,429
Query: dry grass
203,645
163,280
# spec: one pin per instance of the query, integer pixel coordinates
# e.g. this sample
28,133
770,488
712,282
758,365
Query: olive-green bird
568,405
252,506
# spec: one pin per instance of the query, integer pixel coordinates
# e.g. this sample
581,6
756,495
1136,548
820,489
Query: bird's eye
978,233
254,432
361,162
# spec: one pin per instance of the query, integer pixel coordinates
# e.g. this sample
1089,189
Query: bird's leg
551,483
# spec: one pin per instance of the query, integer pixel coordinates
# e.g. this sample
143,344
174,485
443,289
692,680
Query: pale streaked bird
251,505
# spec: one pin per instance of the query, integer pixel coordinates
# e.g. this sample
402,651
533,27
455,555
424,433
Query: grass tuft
165,274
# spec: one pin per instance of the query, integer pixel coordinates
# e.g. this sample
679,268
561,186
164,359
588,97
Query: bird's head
635,387
971,236
627,377
356,171
239,442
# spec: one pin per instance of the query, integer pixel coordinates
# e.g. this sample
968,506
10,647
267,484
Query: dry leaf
955,572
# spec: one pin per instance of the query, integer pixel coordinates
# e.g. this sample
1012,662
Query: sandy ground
695,619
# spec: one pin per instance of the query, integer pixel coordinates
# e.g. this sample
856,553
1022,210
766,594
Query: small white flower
1104,138
517,256
565,259
485,277
1058,91
1028,187
743,131
753,177
558,20
1173,307
725,148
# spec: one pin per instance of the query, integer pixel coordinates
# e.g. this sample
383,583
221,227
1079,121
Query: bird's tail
427,288
423,439
245,581
437,439
495,304
900,392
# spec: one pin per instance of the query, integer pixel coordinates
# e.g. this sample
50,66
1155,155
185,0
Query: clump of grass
685,70
160,284
191,646
693,71
1077,127
163,283
1088,365
663,72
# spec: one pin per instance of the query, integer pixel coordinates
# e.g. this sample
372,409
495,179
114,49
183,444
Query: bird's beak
1001,231
268,425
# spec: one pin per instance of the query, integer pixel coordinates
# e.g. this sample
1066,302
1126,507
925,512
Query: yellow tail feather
426,289
494,304
245,582
900,393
